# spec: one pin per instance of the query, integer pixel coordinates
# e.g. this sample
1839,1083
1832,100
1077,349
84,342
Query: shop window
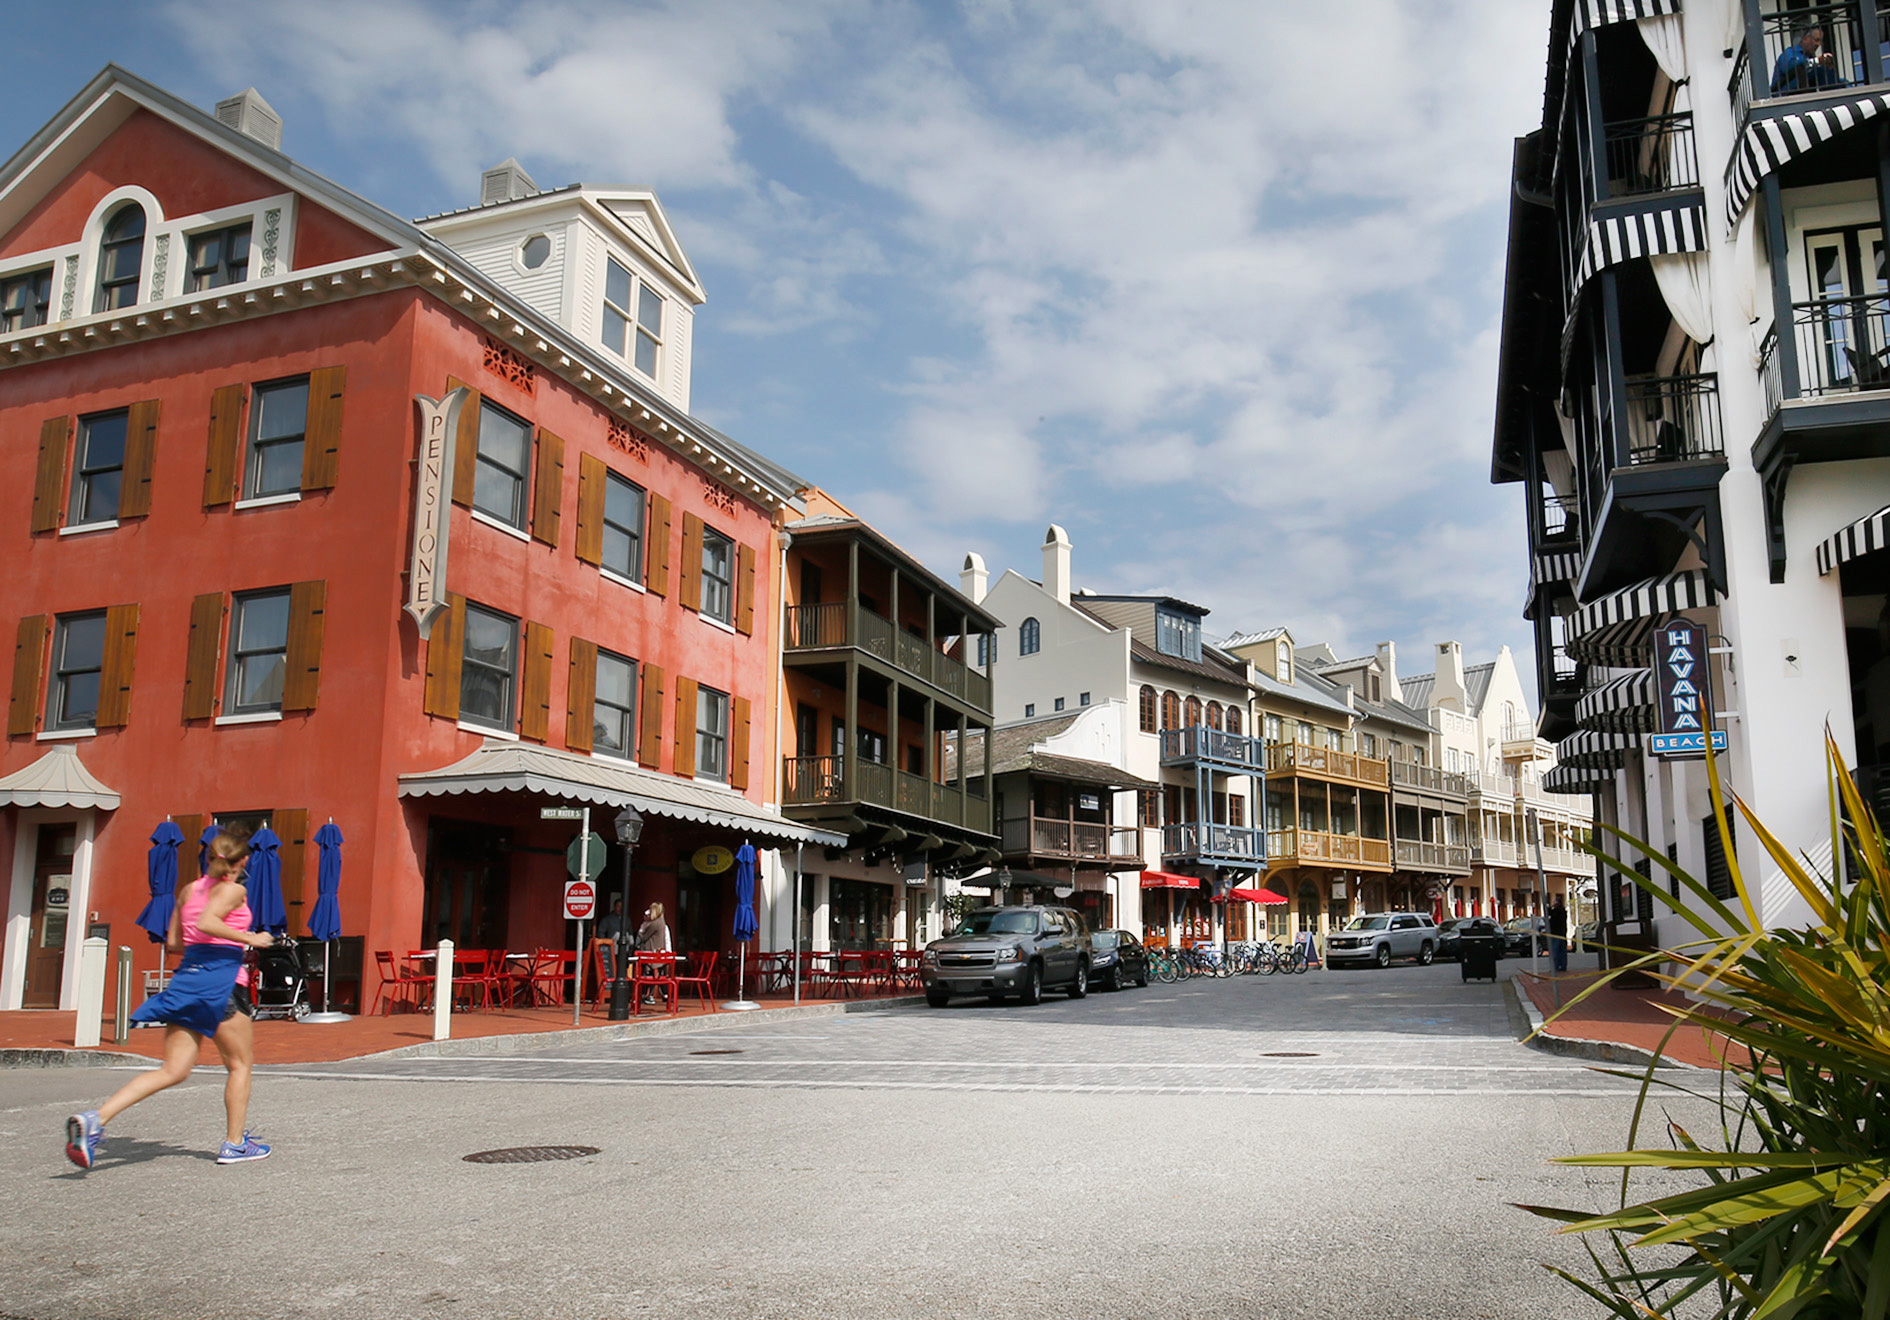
78,662
98,469
1029,637
614,706
488,669
278,427
25,299
505,450
120,259
218,257
259,645
623,527
711,734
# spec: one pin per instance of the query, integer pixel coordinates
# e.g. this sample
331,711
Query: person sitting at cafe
653,934
1804,66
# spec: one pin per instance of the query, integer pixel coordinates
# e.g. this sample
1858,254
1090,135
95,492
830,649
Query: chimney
1056,563
247,112
1448,691
973,578
505,182
1388,661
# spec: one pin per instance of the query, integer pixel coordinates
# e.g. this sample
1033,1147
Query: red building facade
208,497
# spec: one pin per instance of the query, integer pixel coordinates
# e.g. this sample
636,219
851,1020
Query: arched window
1214,714
1030,638
1146,700
1194,711
120,258
1171,711
1233,719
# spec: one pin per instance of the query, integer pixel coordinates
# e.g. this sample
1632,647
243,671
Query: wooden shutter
29,659
534,714
656,559
738,721
224,446
650,748
465,464
685,754
321,435
593,483
547,488
446,651
745,590
301,684
580,707
114,681
200,664
49,485
291,826
134,496
691,596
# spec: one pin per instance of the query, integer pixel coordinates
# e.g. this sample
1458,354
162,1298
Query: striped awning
1577,779
1679,227
1867,534
1599,13
1770,143
1596,751
1613,631
1624,705
1557,566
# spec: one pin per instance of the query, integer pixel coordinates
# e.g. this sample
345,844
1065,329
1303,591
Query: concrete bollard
90,1008
443,991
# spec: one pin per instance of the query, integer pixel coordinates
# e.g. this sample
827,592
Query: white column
89,995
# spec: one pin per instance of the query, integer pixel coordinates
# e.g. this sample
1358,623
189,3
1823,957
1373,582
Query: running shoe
84,1136
251,1149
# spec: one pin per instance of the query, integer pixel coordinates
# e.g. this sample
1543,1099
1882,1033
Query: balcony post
1772,213
1758,76
1868,28
1608,332
1596,136
893,749
990,801
893,614
1883,132
931,740
850,745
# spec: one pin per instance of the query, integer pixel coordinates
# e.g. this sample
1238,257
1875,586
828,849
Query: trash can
1477,956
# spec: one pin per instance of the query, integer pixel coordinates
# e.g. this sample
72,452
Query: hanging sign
1684,702
432,509
712,860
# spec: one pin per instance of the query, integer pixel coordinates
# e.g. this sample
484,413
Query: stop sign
580,900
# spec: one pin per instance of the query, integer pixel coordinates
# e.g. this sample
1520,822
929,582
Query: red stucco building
211,468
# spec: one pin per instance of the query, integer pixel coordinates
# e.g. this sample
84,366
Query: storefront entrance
468,884
859,914
52,898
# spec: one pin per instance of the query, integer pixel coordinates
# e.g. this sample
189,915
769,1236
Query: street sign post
563,813
580,900
584,859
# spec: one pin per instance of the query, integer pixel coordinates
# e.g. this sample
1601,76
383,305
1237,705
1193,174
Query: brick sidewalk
1634,1018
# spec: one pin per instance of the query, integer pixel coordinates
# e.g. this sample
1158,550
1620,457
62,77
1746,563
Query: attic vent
247,112
507,182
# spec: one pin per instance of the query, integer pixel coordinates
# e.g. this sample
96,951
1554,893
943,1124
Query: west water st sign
1684,703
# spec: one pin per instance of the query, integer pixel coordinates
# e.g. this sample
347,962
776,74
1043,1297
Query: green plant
1789,1221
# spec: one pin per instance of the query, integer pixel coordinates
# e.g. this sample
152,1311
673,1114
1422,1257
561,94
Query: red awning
1266,896
1168,880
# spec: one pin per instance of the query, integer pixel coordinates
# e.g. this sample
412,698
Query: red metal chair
652,974
701,978
395,983
472,974
552,972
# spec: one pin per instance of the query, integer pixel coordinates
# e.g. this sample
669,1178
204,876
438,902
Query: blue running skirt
199,992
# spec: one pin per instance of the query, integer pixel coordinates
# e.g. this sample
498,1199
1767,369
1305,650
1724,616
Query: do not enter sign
580,900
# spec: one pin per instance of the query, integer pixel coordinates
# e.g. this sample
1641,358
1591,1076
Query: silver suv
1378,937
1009,950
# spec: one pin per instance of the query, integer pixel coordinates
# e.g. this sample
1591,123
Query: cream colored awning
509,767
57,779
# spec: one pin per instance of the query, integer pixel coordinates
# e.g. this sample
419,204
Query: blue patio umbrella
746,926
160,866
265,883
204,840
324,923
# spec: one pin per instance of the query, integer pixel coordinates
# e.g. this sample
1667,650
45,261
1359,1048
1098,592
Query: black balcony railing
1842,345
1739,90
1769,372
1673,419
1558,514
1838,60
1651,155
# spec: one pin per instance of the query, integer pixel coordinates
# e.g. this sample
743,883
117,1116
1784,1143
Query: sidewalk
1622,1025
44,1037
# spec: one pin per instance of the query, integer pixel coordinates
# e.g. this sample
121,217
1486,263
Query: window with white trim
718,576
218,257
98,469
259,651
633,317
505,455
623,527
78,664
25,299
489,668
711,734
614,706
278,423
120,259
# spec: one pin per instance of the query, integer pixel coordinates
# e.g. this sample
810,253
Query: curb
54,1057
1601,1051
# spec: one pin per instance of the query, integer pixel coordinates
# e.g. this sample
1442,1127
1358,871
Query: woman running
208,996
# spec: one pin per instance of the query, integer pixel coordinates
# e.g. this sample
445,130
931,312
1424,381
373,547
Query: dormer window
1178,634
25,299
1374,689
628,303
120,259
218,257
1283,662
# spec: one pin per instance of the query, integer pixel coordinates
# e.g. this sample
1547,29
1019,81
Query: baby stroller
280,987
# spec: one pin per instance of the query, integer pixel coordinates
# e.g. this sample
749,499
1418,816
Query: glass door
1847,277
52,903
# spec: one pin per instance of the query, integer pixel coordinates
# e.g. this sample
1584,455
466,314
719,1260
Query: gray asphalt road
1336,1144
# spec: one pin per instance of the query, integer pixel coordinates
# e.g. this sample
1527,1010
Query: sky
1213,286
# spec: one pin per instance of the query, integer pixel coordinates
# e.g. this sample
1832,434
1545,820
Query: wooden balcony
1313,848
1232,752
1226,845
1428,778
1417,855
1073,841
812,781
1286,760
839,625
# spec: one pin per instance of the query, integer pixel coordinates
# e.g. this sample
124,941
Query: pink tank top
191,906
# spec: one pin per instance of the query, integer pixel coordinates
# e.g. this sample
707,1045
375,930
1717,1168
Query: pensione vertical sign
432,508
1684,703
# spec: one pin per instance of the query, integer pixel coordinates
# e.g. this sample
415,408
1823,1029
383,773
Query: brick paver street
1335,1144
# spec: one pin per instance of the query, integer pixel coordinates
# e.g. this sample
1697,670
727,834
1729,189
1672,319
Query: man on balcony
1804,66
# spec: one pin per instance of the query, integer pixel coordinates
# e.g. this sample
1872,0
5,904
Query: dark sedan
1454,930
1517,932
1117,960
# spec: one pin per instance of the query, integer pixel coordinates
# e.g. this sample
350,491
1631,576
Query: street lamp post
629,825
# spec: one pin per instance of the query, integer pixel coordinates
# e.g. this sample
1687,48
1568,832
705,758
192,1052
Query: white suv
1378,937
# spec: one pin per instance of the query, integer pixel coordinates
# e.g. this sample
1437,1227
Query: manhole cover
715,1051
1289,1054
530,1154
